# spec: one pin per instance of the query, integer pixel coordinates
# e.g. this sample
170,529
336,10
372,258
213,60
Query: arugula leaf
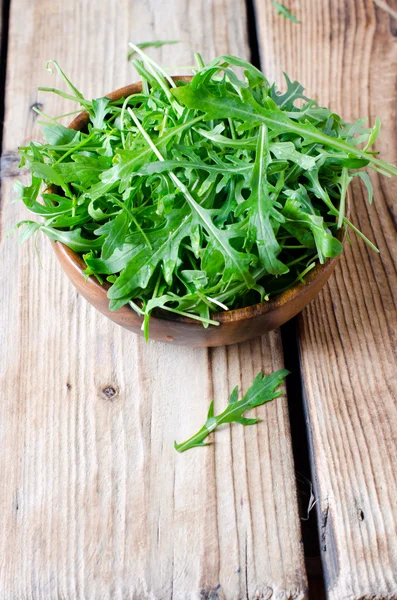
100,108
48,173
127,162
58,135
287,151
220,105
284,11
236,264
367,182
165,249
247,110
263,215
155,44
116,231
73,239
29,228
83,170
263,389
298,217
256,77
374,134
294,92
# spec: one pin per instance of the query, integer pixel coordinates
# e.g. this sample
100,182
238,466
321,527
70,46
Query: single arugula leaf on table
285,12
263,389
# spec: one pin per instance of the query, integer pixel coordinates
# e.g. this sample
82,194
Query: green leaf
29,228
299,217
284,11
375,131
116,231
100,109
245,421
263,389
247,110
165,249
210,411
155,44
83,170
256,76
236,264
128,162
120,258
28,193
58,135
287,151
73,239
215,106
264,218
47,173
234,395
294,92
368,184
343,182
59,205
184,306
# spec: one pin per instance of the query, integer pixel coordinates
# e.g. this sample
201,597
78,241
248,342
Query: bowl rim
234,314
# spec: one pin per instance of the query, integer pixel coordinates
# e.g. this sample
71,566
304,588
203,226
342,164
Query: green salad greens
195,197
263,389
285,12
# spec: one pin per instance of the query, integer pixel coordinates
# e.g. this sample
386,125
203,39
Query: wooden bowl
234,326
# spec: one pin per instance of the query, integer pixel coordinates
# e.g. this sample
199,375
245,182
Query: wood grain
94,502
346,54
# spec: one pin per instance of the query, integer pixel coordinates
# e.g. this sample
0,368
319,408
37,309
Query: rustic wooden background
94,501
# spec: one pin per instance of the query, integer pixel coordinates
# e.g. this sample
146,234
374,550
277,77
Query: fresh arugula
263,389
145,45
285,12
202,196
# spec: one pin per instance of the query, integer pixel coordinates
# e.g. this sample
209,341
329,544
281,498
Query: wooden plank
346,53
95,502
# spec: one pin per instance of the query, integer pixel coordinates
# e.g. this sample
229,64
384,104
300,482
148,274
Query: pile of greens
202,196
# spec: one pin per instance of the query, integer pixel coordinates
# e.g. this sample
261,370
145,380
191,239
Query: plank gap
4,20
252,34
300,448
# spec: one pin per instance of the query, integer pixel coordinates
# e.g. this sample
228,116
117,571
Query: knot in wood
109,392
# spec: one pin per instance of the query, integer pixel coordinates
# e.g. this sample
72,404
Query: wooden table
94,501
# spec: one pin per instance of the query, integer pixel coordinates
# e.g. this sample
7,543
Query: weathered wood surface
94,501
345,53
